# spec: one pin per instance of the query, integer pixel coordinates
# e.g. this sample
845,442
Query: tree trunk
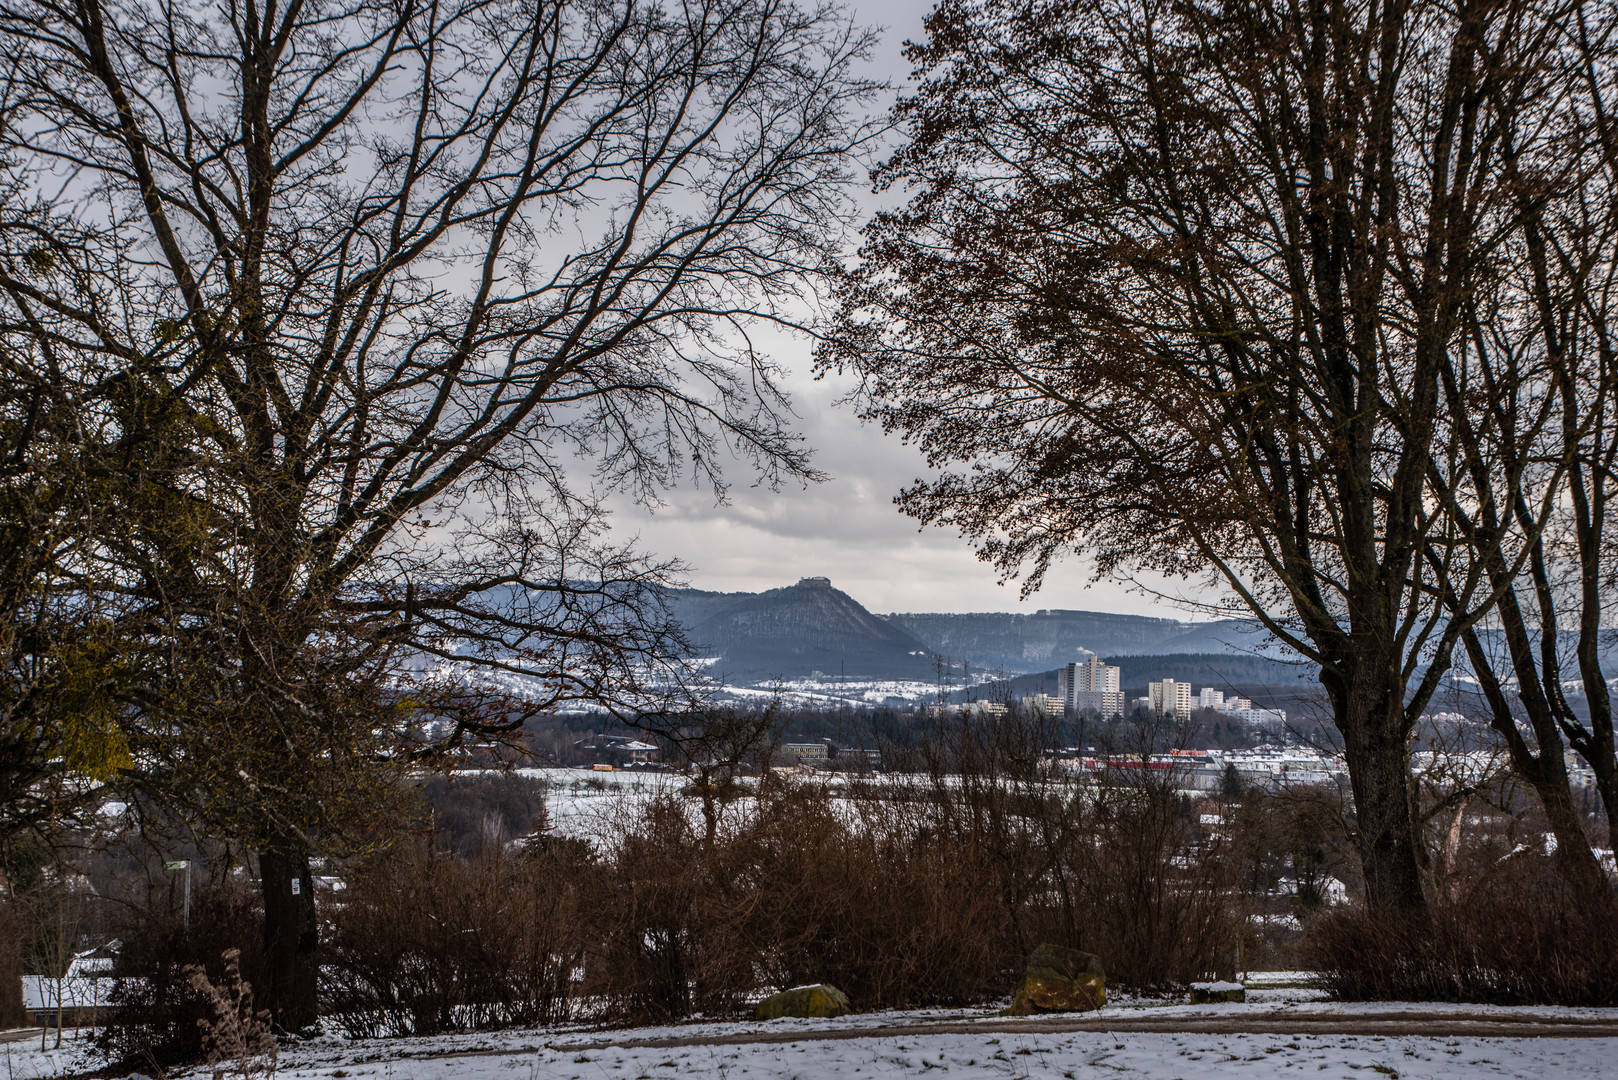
1371,718
1597,750
1574,856
291,936
1546,770
1379,770
1546,773
1607,786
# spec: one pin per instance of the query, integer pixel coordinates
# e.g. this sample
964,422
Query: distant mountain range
812,626
1051,638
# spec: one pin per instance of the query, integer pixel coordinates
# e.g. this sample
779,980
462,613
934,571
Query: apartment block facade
1168,697
1090,687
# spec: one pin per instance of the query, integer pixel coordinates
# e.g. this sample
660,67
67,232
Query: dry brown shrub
1516,937
156,1017
1108,863
423,942
796,888
238,1040
877,902
905,890
910,889
655,922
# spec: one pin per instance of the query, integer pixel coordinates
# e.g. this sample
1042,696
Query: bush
1114,867
423,942
791,892
664,924
909,890
887,909
156,1010
239,1038
1139,891
1526,939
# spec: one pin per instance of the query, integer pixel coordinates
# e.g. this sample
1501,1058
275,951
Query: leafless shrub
1518,935
157,1015
797,888
914,888
424,942
238,1039
904,890
1107,860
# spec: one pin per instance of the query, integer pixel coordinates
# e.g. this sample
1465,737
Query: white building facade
1170,698
1090,687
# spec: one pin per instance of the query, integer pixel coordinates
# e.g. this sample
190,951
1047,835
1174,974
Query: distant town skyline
847,528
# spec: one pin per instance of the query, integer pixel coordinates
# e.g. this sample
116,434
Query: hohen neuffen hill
810,627
797,631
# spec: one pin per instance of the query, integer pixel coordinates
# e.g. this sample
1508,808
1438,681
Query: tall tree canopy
1184,286
360,307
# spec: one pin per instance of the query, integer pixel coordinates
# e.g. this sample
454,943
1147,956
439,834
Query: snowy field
977,1043
596,806
601,806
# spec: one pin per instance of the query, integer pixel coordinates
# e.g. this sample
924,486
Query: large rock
1211,993
821,1000
1060,980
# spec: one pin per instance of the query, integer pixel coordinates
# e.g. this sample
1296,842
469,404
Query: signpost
183,864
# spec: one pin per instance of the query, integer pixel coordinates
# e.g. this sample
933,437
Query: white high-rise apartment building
1089,686
1168,697
1209,698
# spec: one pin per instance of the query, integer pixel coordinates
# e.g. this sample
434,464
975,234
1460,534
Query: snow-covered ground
601,806
597,806
968,1043
1065,1055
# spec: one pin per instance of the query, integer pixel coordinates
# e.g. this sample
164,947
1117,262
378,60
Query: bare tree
1532,404
1183,284
362,307
716,744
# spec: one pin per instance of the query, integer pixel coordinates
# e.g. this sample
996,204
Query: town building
1242,709
83,996
1170,698
1044,704
617,751
1090,687
817,754
857,759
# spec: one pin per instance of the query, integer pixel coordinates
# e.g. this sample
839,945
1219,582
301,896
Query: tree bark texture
1371,717
291,935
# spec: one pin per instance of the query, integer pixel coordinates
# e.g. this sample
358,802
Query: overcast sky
847,528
